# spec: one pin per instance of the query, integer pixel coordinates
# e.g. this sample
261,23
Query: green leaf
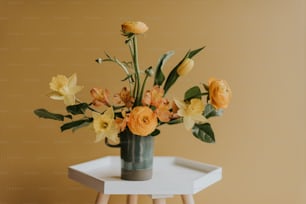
128,77
204,132
173,76
206,87
175,121
81,126
194,52
194,92
211,111
155,132
43,113
159,76
76,124
171,79
77,109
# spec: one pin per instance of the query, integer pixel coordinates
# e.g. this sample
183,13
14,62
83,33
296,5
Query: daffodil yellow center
104,125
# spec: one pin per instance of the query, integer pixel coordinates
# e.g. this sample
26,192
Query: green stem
125,69
137,71
130,44
143,85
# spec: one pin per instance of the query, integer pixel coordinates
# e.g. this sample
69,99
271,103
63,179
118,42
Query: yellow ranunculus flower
191,112
64,88
105,126
219,93
142,121
185,67
136,27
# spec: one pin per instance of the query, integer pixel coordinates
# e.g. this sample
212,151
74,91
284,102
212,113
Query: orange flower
136,27
100,97
153,97
163,112
121,122
157,94
146,100
142,121
124,97
219,93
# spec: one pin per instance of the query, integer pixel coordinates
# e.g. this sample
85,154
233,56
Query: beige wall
257,45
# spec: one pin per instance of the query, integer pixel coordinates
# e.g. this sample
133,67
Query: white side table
171,176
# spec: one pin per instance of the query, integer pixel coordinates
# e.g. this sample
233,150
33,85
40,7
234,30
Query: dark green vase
136,156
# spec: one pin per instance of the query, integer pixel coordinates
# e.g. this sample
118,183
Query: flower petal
198,118
188,123
69,99
180,104
56,96
99,137
72,80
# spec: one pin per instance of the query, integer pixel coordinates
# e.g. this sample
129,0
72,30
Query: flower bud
136,27
149,71
99,60
185,67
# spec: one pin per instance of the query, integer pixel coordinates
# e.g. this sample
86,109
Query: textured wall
257,46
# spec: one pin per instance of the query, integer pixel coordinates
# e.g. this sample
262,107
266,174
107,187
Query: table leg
187,199
159,201
132,199
102,198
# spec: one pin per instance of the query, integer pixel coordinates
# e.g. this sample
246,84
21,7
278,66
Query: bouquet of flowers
138,109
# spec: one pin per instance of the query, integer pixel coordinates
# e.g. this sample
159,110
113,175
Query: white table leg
102,198
132,199
159,201
187,199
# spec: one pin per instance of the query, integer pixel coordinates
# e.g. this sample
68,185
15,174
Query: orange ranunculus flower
136,27
185,67
100,97
142,121
219,93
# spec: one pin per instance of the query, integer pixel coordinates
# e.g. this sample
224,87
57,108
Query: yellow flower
64,88
219,93
136,27
105,126
142,121
185,67
191,112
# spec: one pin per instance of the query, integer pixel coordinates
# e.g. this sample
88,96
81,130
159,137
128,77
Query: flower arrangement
134,108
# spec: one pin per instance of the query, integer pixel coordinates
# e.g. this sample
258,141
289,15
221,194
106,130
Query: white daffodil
64,88
105,126
191,112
